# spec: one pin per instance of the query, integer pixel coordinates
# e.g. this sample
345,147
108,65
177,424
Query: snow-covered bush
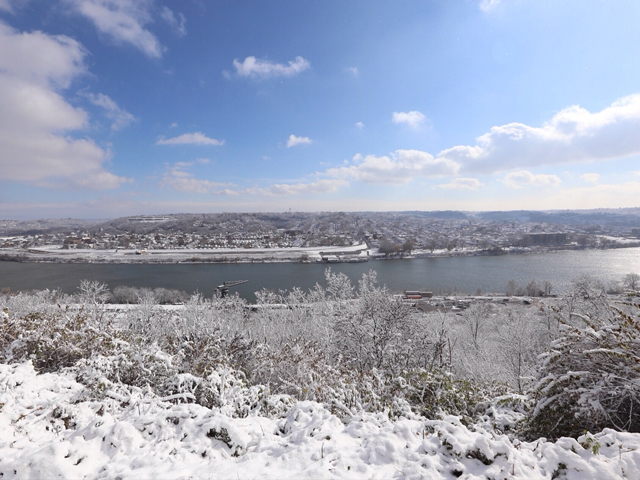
352,349
499,344
129,295
377,330
54,338
589,378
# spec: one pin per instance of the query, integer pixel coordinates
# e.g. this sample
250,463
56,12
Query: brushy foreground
336,382
48,432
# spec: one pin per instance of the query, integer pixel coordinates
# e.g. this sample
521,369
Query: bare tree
632,281
93,296
521,339
476,319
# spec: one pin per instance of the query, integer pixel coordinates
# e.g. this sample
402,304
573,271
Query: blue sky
123,107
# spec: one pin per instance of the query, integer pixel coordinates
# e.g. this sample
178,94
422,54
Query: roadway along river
461,274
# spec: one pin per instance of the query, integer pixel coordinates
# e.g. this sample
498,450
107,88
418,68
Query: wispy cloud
488,5
524,178
255,68
123,21
120,117
359,125
396,169
461,183
292,141
353,71
196,138
590,177
177,22
616,195
35,120
573,135
320,186
178,178
11,5
414,118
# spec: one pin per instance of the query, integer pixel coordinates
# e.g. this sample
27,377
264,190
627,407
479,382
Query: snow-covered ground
52,429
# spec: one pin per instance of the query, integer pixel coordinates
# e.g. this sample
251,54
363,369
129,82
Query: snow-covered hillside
341,382
48,431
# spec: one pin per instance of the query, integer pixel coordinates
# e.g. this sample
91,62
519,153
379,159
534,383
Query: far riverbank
329,255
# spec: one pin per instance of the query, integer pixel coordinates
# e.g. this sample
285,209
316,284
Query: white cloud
8,5
123,21
196,138
320,186
252,67
35,120
488,5
524,178
11,6
177,23
396,169
293,141
120,117
590,177
359,125
461,183
573,135
353,71
39,58
177,178
619,195
414,118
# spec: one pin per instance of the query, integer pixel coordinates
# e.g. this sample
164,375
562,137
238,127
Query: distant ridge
221,222
618,218
440,214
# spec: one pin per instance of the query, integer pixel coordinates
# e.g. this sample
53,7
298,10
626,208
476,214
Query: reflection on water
461,274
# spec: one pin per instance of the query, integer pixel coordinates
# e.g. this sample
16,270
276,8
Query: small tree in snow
370,330
632,281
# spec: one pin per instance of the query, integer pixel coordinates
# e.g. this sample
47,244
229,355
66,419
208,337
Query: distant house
544,239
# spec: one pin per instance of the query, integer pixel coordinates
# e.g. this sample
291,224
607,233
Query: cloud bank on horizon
127,96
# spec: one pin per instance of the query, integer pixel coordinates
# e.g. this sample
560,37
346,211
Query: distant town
323,236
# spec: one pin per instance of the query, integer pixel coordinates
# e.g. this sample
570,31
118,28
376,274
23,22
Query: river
447,274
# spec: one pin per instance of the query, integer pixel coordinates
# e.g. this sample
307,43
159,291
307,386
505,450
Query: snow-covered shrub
504,414
54,339
200,355
435,393
224,389
300,369
589,378
124,295
43,301
297,368
372,332
496,344
520,339
193,374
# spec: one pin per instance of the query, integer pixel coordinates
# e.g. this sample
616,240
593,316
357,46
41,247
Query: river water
449,274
